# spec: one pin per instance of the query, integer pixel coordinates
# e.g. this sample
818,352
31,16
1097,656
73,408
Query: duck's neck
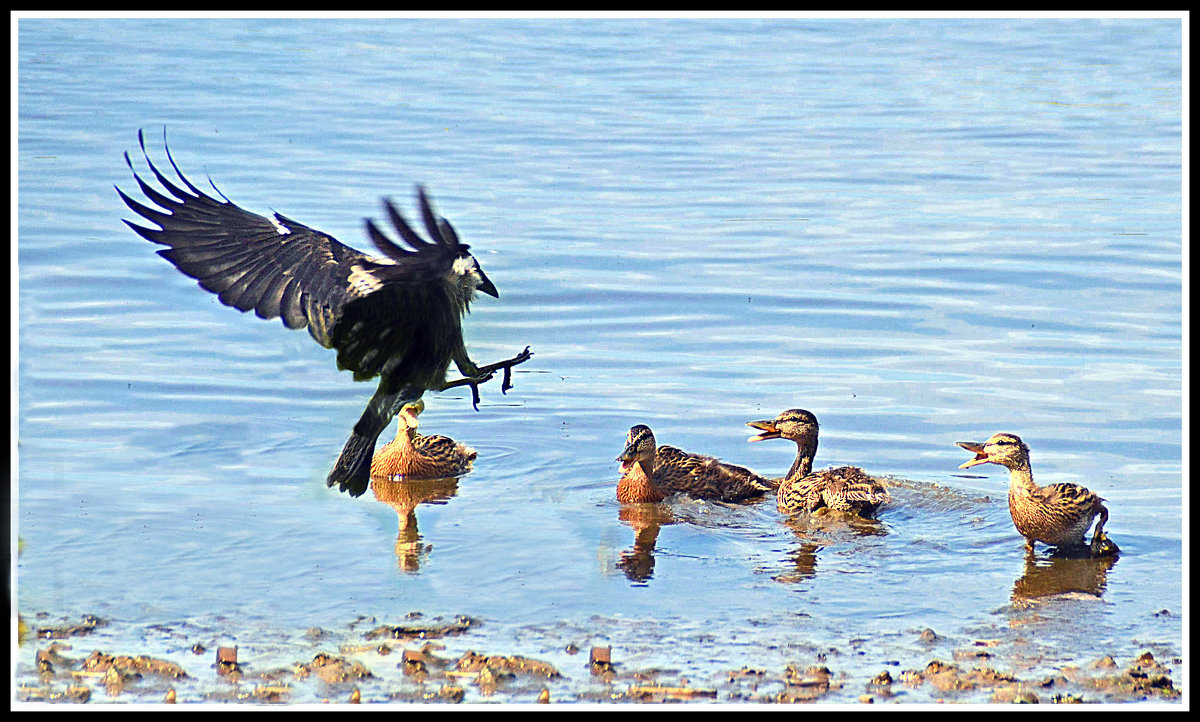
404,441
1020,479
636,486
803,464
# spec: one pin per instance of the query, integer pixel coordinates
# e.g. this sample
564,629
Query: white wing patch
362,283
279,227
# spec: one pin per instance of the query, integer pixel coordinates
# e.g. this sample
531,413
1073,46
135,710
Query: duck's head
410,411
797,425
1004,449
639,448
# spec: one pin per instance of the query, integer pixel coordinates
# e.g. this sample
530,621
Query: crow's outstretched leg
484,373
352,471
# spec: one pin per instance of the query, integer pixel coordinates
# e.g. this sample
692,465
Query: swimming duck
1057,515
845,488
413,456
651,473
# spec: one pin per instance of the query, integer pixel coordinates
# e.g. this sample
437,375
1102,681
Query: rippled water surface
922,231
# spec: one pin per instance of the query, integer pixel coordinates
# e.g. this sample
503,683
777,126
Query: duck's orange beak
980,456
768,430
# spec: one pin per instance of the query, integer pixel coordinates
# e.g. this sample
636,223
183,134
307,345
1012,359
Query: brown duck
844,488
1057,515
651,473
413,456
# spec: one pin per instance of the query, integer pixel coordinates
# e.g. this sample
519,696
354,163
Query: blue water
924,231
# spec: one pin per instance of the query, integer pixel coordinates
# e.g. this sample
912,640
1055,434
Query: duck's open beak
977,449
768,430
627,457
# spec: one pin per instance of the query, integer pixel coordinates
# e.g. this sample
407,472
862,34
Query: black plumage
398,318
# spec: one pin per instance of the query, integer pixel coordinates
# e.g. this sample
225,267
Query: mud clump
63,631
461,625
1145,679
332,670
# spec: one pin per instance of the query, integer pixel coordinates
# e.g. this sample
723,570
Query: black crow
398,317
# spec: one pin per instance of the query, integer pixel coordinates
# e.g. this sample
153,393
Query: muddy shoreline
414,661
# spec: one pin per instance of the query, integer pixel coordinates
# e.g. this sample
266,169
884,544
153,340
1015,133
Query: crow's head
445,254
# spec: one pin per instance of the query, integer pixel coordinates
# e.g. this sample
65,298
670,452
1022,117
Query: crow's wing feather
278,268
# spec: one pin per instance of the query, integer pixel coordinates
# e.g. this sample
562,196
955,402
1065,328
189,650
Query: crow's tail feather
352,470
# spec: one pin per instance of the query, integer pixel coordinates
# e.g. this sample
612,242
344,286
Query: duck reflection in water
818,530
415,469
1063,574
646,519
404,496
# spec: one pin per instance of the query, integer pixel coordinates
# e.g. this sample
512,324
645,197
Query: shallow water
922,231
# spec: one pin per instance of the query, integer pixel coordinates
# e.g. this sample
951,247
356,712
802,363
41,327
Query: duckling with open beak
1058,515
845,488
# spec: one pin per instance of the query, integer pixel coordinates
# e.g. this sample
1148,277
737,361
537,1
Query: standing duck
651,473
845,488
413,456
1057,515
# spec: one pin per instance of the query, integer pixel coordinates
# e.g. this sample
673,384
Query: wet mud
409,662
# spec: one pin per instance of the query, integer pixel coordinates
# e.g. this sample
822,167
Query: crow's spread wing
374,310
274,266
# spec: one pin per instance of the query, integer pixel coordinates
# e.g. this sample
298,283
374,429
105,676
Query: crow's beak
485,285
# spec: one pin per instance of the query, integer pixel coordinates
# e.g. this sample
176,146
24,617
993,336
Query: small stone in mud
78,693
1106,662
333,670
413,664
1014,695
651,693
448,693
544,697
170,698
600,659
227,663
882,679
928,635
198,649
514,664
114,682
44,664
1053,681
101,662
356,696
271,693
